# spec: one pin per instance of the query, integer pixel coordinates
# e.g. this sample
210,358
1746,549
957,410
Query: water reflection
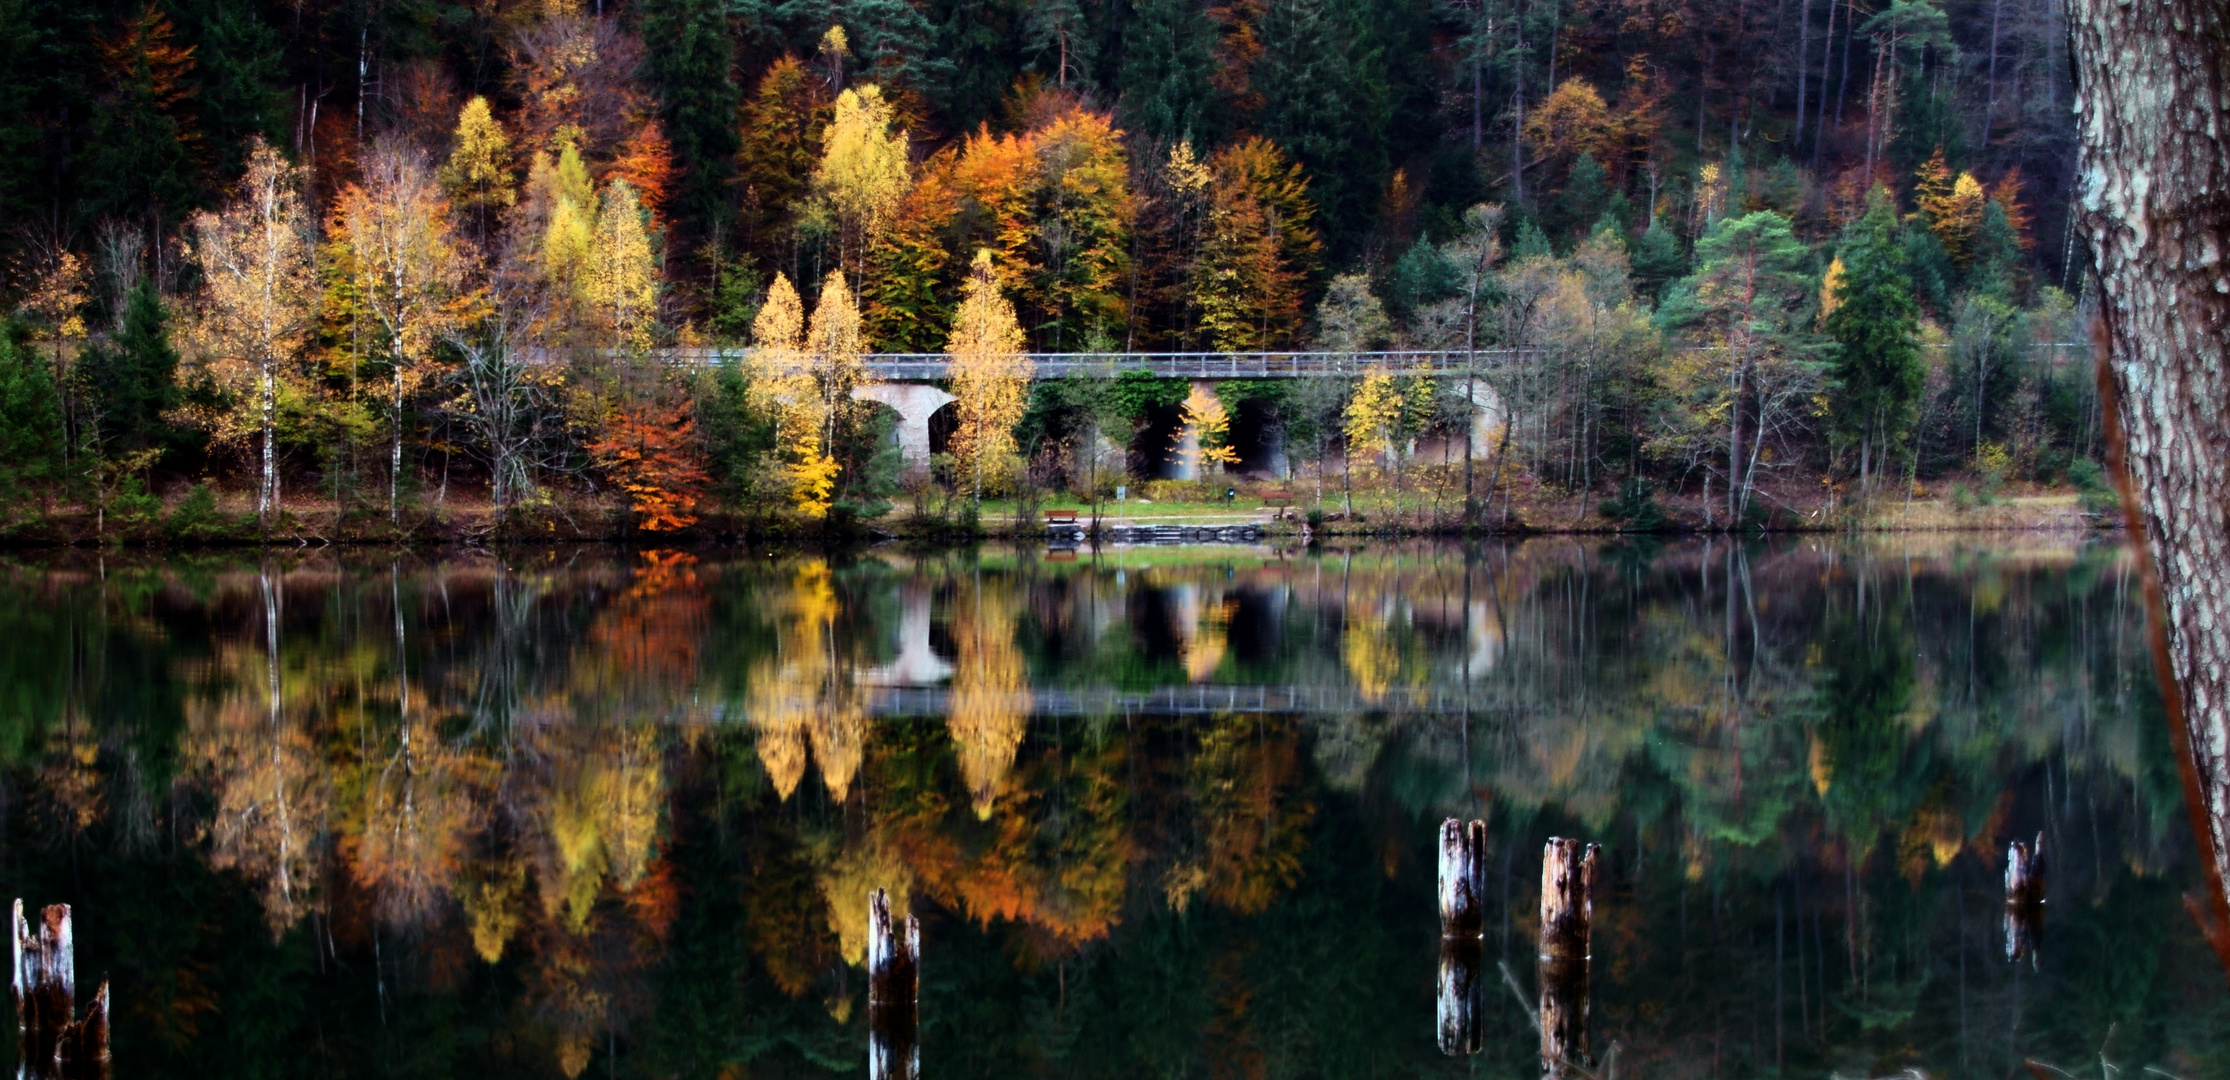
561,812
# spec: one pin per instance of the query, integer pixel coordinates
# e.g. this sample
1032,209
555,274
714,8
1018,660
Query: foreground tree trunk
2154,119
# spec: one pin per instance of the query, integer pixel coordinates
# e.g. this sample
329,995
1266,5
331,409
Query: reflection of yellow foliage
1822,769
494,908
859,870
418,811
1245,780
990,705
1936,833
1368,648
271,789
604,820
803,694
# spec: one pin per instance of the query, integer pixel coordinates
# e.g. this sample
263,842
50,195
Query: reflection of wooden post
1463,862
1567,917
50,1042
1462,996
893,993
2024,898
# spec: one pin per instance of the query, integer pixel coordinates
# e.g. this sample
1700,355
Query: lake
1161,812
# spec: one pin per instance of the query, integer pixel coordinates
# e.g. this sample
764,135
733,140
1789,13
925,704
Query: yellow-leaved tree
1204,436
254,258
560,193
1374,417
990,375
407,271
862,174
621,283
801,378
478,174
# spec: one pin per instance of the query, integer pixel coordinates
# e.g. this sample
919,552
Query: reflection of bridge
1190,701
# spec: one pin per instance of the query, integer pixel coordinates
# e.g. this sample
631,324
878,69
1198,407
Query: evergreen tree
241,68
132,380
1323,89
1657,260
689,64
1873,321
1168,66
1585,198
986,40
30,413
142,158
1531,242
1421,277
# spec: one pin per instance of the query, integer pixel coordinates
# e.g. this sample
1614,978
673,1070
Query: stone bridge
907,382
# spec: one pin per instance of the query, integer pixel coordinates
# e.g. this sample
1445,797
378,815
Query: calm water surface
1163,813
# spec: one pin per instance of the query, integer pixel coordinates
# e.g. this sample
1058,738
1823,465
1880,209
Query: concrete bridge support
914,403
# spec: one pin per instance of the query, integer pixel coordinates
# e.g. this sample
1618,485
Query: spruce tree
1873,322
1657,260
30,413
133,380
689,64
1168,61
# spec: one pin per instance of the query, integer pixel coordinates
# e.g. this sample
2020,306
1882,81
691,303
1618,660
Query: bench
1283,500
1060,517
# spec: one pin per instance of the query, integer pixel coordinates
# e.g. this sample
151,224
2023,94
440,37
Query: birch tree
254,258
408,269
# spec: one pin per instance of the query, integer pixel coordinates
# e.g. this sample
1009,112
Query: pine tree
781,126
241,75
1322,81
1873,323
1657,260
688,62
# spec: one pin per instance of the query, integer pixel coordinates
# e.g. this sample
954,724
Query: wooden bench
1283,500
1060,517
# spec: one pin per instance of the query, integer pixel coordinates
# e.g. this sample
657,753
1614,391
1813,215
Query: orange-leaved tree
649,450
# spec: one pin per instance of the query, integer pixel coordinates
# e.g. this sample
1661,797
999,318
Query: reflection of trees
803,694
989,709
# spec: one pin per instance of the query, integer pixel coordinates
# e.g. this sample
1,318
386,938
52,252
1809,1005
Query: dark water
1171,813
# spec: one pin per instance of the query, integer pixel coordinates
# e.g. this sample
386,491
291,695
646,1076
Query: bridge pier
914,403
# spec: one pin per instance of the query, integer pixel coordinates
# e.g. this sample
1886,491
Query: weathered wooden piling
1567,898
1463,861
1462,999
51,1041
893,993
1567,928
893,962
2024,898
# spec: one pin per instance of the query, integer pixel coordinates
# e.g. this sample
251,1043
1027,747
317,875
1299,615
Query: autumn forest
371,268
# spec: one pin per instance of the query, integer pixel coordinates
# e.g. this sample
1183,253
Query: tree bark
2024,898
1463,860
2151,113
52,1042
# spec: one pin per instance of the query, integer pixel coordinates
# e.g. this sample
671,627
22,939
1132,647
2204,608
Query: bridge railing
1180,365
905,367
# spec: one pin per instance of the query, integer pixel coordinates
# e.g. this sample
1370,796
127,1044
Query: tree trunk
2155,160
2024,898
1567,915
269,491
1463,860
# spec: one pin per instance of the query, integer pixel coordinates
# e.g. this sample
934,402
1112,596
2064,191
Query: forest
366,266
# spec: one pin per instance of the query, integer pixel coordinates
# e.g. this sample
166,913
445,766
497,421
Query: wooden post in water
1567,918
2024,899
1460,1004
1463,868
893,993
50,1041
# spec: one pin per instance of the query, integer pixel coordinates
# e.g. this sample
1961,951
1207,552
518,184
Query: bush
1635,508
2096,491
197,516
